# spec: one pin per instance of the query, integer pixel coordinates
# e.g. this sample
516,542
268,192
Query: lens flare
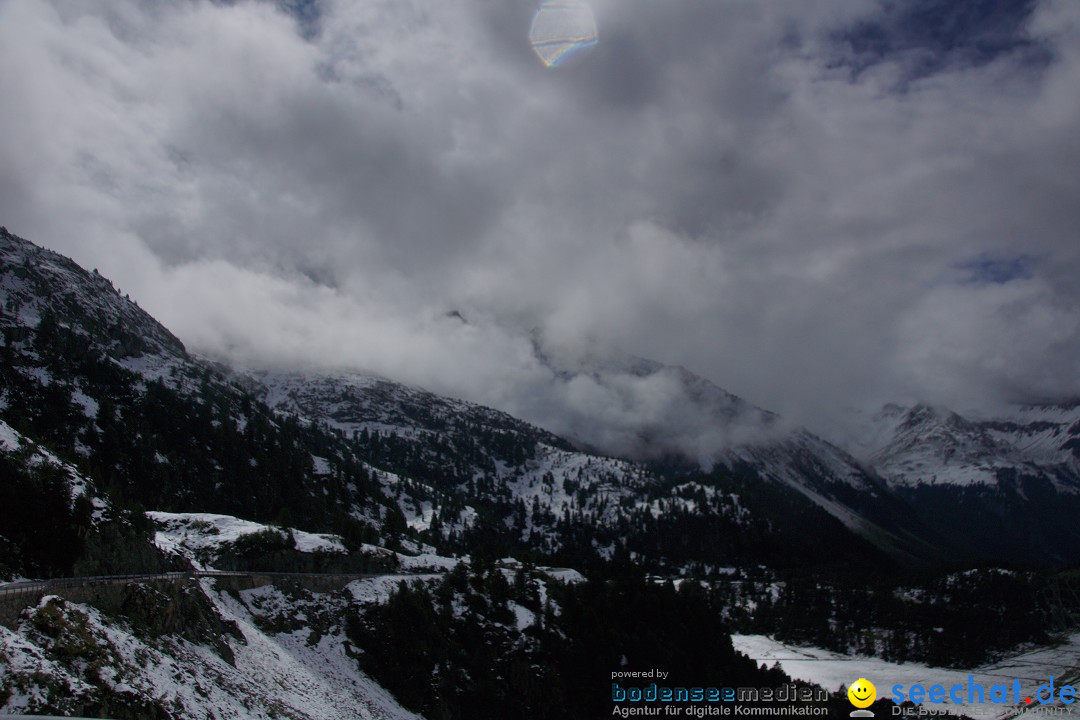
562,29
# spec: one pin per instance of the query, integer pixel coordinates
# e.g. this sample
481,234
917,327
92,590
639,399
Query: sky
819,205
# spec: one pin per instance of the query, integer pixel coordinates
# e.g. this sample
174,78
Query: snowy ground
377,590
566,575
833,671
199,536
194,535
427,561
321,679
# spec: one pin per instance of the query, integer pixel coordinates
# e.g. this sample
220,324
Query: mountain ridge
389,455
935,445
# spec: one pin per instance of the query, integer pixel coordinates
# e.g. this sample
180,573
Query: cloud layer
803,201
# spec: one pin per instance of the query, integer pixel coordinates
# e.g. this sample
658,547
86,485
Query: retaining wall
107,592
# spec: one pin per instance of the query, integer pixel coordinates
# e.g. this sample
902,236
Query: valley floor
833,671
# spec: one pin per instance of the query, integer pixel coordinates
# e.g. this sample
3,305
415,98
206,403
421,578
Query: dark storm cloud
816,204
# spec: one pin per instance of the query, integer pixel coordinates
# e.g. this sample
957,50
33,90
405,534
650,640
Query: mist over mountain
619,433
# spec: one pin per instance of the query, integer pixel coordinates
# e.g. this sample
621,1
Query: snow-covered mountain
443,458
462,456
91,380
1005,486
355,401
1047,434
936,446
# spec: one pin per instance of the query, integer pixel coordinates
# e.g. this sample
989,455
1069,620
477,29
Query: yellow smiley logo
862,693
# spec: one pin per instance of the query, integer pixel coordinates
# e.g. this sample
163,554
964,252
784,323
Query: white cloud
707,187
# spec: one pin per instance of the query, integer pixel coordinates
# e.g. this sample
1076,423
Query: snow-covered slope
67,658
35,282
89,375
427,449
31,455
354,401
198,537
444,459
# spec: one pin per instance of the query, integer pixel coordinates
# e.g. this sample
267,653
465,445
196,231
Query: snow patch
831,670
10,440
191,535
89,405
